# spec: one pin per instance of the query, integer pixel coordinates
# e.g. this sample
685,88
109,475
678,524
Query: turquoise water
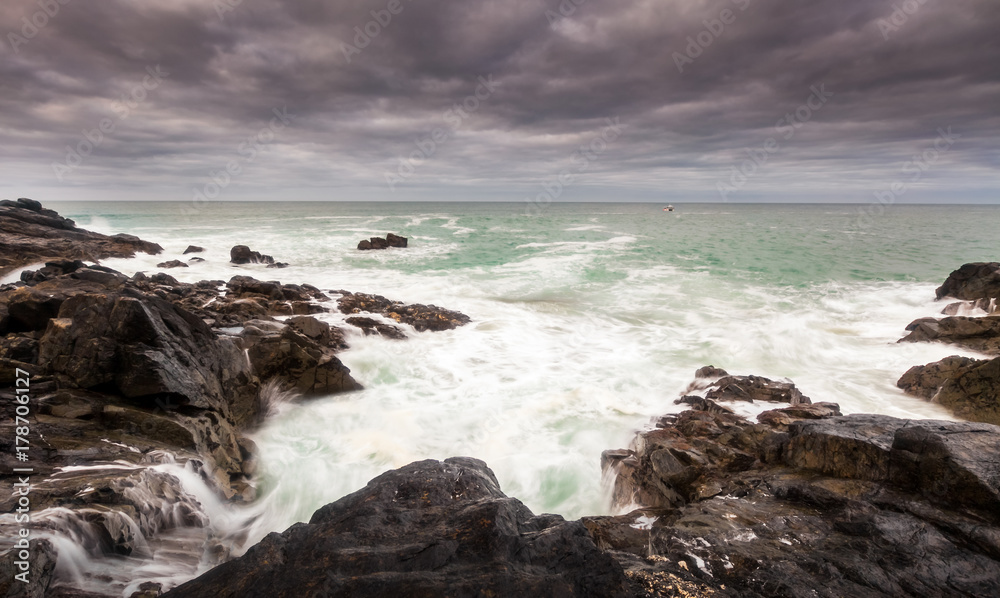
588,319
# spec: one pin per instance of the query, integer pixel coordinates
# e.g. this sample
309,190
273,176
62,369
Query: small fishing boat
668,209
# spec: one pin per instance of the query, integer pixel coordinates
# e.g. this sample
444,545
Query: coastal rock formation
810,503
241,254
372,326
390,240
970,388
193,249
428,529
421,317
30,234
977,334
296,361
973,282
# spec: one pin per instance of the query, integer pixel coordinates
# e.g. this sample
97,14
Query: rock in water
978,334
193,249
974,281
241,254
172,264
396,240
970,388
428,529
809,503
390,240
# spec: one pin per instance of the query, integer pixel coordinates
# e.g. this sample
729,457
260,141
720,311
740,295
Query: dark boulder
970,388
390,240
298,362
755,388
977,334
974,281
172,264
428,529
241,254
193,249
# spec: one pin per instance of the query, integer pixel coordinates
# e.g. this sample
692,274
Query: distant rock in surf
390,240
421,317
193,249
172,264
241,254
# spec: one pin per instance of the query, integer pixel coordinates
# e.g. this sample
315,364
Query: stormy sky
579,100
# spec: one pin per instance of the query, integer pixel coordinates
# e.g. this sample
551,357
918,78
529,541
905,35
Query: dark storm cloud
695,84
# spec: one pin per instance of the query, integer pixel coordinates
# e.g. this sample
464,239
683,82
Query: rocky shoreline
133,376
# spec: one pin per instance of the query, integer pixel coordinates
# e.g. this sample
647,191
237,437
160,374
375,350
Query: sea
588,321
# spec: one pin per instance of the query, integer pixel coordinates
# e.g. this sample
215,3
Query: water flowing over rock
977,334
421,317
428,529
970,388
811,503
30,234
241,254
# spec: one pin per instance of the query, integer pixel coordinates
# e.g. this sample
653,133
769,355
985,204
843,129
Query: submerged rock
172,264
241,254
421,317
428,529
977,334
193,249
390,240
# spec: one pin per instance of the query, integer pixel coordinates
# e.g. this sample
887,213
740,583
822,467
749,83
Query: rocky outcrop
810,503
973,282
970,388
241,254
371,326
421,317
31,234
390,240
976,334
428,529
296,361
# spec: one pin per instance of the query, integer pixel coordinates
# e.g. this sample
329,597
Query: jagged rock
808,503
193,249
978,334
421,317
970,388
755,388
428,529
298,362
30,233
172,264
371,326
974,281
390,240
241,254
321,332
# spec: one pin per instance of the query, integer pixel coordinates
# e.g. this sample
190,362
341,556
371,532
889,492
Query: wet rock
298,362
428,529
809,503
42,559
390,240
172,264
970,388
978,334
241,254
371,326
974,281
755,388
321,332
421,317
30,234
193,249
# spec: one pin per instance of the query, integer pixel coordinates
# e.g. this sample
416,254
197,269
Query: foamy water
587,321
